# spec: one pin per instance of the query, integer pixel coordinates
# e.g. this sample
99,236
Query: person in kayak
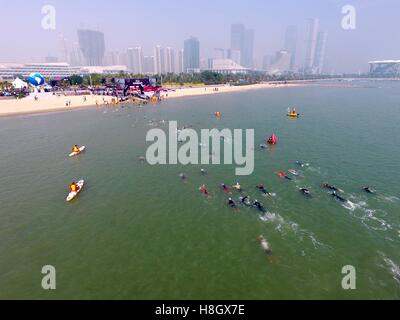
73,187
262,189
336,196
75,148
231,203
367,189
204,190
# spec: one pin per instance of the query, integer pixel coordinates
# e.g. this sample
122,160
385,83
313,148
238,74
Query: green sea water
139,232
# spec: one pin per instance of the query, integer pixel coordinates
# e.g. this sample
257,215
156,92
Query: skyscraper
92,46
159,60
242,40
312,31
169,60
63,56
234,55
247,55
191,55
180,64
148,64
320,52
290,45
75,56
135,60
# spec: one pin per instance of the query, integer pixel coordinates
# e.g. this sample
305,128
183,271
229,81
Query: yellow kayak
294,115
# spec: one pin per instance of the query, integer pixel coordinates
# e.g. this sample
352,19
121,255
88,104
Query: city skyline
268,19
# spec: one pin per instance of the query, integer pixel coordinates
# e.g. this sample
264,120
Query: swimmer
204,190
305,191
302,164
368,190
336,196
237,186
258,205
283,175
202,171
224,187
231,203
182,176
330,187
262,189
244,200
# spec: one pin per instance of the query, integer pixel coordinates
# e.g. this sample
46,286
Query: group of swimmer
335,191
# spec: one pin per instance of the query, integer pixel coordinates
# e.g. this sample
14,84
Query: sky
129,23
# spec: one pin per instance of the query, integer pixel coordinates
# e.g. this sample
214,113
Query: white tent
19,84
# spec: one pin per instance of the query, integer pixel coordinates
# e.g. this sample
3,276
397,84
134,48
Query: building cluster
89,55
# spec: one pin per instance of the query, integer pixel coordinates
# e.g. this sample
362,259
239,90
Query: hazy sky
128,23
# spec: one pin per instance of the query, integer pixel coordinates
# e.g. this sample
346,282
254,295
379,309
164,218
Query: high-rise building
64,55
148,65
234,55
180,64
242,40
237,36
290,45
280,63
92,46
248,50
219,53
111,58
75,57
320,52
159,60
135,60
191,55
169,60
312,32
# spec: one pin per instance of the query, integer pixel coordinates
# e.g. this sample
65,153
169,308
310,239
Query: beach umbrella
35,79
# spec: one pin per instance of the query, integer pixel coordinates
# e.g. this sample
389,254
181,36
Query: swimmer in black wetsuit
258,205
262,189
305,191
330,187
231,203
368,190
340,198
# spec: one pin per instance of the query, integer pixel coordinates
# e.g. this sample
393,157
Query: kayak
73,154
72,195
293,115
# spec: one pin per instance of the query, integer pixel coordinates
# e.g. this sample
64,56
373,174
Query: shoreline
49,103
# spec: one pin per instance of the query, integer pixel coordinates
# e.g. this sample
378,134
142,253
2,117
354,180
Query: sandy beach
48,102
